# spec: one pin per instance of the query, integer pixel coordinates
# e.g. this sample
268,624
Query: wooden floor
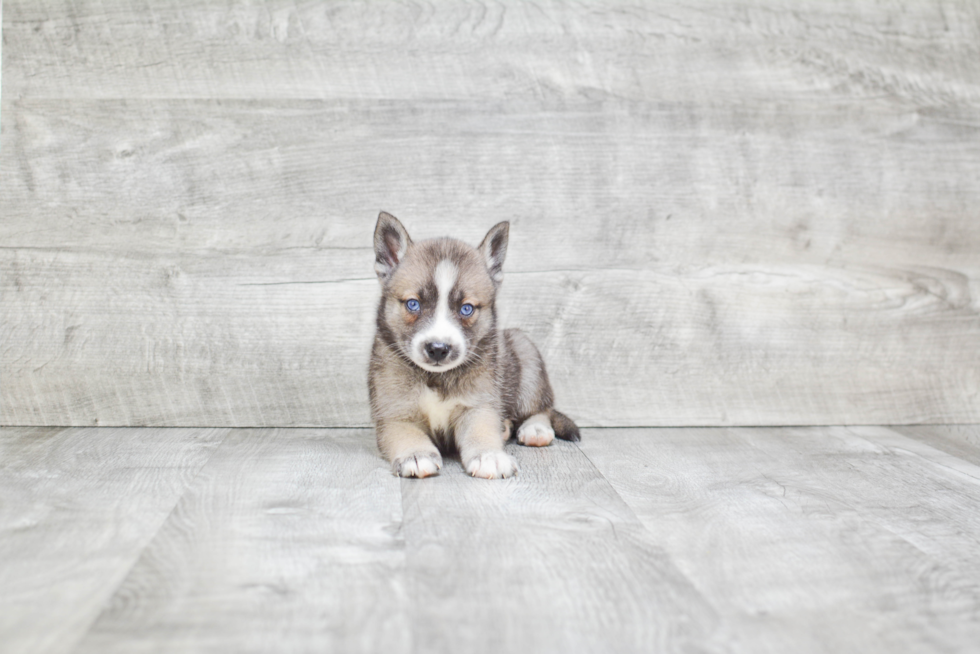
818,539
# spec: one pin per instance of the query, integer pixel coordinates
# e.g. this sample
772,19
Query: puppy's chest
440,411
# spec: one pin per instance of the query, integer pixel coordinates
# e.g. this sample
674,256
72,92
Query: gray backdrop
723,212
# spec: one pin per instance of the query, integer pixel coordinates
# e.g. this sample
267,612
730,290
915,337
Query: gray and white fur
442,376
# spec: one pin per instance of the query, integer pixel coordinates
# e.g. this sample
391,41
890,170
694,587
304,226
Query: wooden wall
723,212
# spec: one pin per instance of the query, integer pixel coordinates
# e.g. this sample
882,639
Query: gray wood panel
181,339
811,539
723,213
549,561
77,507
962,441
702,50
824,539
603,184
286,541
298,540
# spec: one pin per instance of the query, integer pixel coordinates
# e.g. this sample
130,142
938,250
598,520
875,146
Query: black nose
437,351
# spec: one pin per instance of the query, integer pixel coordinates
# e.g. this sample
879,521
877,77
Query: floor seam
142,550
636,518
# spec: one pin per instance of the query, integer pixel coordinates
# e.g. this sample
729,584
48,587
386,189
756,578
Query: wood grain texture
508,51
816,540
961,441
77,507
632,184
549,561
824,539
287,541
297,540
181,339
723,213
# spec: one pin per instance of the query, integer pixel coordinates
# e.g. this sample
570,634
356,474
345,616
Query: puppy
442,376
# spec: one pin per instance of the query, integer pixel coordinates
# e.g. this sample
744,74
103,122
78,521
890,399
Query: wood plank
184,339
610,184
288,541
78,506
178,339
506,52
549,561
817,539
961,441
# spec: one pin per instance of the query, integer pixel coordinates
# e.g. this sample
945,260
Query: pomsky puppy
442,376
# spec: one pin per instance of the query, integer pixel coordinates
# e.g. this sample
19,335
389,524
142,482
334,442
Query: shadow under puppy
442,376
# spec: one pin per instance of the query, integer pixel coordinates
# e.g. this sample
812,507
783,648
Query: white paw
420,464
492,465
535,434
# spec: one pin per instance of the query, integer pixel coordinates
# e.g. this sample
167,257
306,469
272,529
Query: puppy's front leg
409,449
478,435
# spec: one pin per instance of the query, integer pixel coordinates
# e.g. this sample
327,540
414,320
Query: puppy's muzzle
437,352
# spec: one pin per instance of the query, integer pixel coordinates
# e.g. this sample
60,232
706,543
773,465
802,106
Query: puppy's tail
564,428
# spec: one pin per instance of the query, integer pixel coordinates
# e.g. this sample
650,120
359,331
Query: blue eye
466,310
413,306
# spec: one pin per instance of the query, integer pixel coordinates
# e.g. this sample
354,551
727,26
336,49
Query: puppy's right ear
391,241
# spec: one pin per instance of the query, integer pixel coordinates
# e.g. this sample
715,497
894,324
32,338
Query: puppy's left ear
494,250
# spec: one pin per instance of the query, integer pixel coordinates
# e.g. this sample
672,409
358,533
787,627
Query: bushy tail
564,428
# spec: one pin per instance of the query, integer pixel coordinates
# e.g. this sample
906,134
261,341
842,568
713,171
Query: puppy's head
437,302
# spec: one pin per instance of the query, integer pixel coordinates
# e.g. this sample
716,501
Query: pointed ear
391,241
494,250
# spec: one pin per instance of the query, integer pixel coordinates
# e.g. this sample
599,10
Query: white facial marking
442,329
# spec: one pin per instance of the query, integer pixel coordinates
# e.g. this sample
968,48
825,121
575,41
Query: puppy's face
438,295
